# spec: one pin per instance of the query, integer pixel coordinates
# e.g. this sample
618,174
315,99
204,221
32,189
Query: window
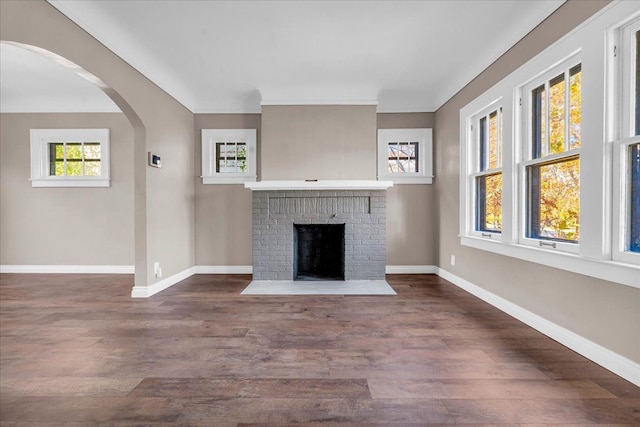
228,156
487,130
70,157
552,172
568,136
404,155
626,156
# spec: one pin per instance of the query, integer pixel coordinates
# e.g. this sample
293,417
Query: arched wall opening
43,242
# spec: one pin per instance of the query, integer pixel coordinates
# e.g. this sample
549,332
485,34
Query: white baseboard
154,288
68,269
411,269
620,365
223,269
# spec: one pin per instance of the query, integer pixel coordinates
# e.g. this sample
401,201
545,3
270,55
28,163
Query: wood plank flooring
76,350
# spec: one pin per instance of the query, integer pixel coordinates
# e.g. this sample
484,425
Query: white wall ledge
319,185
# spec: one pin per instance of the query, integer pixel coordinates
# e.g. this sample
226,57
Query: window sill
228,179
80,182
625,274
407,179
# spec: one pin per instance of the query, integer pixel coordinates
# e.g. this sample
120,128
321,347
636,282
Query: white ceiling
229,56
31,83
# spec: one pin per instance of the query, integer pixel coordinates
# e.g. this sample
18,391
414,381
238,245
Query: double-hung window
561,135
487,135
626,146
70,157
551,167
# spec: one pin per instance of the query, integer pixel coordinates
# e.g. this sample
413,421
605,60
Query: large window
228,156
553,168
404,155
70,157
626,169
560,136
487,130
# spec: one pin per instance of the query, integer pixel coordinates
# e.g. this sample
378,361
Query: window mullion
567,109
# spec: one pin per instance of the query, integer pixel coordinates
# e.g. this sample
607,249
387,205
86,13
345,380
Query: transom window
404,155
70,157
228,156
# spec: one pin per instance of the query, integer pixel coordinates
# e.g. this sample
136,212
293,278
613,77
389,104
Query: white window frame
527,160
424,138
209,139
40,140
475,169
599,125
622,55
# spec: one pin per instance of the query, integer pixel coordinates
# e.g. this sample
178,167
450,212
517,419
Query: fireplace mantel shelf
347,184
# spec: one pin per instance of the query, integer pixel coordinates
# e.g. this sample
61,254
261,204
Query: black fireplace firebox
318,252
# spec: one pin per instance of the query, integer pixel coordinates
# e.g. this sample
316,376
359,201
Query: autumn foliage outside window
489,178
553,175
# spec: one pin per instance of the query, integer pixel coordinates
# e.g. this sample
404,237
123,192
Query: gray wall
164,198
411,209
318,142
223,212
72,226
601,311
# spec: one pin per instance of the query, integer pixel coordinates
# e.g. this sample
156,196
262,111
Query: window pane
575,107
634,198
482,127
92,168
539,122
637,103
493,140
402,157
91,150
56,159
554,201
489,203
74,151
74,168
556,115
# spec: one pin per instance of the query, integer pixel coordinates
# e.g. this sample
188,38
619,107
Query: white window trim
594,257
621,65
209,139
424,138
40,139
524,133
473,167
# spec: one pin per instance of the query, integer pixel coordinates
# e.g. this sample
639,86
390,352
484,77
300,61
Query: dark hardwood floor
76,350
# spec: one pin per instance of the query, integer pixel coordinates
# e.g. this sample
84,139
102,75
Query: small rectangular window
70,157
74,159
403,157
229,156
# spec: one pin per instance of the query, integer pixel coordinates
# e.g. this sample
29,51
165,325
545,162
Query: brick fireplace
278,206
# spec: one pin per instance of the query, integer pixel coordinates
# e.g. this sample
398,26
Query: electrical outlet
453,260
157,271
